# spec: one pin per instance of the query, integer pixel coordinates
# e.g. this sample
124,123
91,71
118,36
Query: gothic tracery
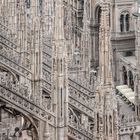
69,70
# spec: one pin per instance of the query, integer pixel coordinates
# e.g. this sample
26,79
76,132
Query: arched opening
15,124
131,81
98,15
106,121
110,124
98,122
127,22
124,75
9,75
97,27
74,117
122,23
14,121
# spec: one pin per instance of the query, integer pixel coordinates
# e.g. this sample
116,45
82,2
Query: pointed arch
96,35
127,22
74,115
16,112
124,21
97,14
4,69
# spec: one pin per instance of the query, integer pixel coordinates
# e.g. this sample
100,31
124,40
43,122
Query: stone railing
7,42
6,33
121,35
14,66
80,96
46,85
79,126
129,121
47,49
81,101
14,86
7,50
80,106
78,131
47,59
19,95
129,125
10,45
82,85
127,63
46,75
11,58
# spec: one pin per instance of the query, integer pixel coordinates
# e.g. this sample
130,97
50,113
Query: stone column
60,73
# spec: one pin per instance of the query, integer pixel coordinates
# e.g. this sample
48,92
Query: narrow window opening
106,125
18,2
124,75
131,81
110,122
61,102
127,22
0,114
122,23
37,63
61,65
97,123
40,6
98,13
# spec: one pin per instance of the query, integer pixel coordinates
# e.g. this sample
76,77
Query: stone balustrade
47,59
14,86
8,48
122,35
46,76
11,58
79,126
128,121
82,85
8,51
47,49
80,97
6,33
19,95
76,130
